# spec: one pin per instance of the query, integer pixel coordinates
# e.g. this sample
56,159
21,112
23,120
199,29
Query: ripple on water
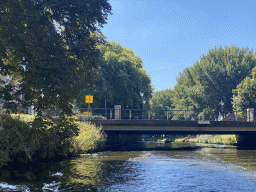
206,169
8,187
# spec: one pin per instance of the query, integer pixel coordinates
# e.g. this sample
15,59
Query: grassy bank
209,139
25,139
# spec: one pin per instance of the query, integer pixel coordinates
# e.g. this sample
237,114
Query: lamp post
143,102
234,98
222,106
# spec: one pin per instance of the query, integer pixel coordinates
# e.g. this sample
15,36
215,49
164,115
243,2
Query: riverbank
26,139
209,139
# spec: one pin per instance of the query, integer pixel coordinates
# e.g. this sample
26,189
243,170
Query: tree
246,94
49,47
211,80
160,103
119,80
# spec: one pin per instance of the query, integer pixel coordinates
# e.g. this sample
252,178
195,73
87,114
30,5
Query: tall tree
211,80
49,47
160,103
119,80
246,94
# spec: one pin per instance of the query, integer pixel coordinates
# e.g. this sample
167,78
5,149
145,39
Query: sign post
89,100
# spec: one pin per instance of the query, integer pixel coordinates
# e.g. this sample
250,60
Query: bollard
250,114
110,114
130,114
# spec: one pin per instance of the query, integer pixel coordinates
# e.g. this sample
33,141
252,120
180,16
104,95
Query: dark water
177,167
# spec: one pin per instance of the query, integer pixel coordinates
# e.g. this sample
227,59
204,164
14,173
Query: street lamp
234,98
143,102
141,93
222,106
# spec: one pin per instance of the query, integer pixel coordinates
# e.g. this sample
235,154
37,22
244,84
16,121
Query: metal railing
134,114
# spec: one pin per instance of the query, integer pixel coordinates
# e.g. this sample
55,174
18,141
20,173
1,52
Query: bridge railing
133,114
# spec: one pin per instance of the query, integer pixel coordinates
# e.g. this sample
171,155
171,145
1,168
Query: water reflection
204,168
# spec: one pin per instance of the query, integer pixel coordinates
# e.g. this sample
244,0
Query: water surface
174,168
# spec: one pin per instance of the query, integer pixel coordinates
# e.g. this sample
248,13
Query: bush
24,142
16,141
54,139
90,138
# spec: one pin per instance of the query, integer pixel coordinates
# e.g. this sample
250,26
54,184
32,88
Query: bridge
176,127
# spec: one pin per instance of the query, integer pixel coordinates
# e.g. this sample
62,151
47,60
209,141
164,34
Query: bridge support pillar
246,140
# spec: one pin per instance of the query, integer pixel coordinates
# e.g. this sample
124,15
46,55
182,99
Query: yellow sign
86,113
89,99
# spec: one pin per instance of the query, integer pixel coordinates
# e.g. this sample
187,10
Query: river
174,167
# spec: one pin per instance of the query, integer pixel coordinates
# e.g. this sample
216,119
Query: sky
170,35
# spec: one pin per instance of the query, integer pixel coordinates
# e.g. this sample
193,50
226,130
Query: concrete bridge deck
176,127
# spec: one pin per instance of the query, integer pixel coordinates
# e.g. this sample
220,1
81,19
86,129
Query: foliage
216,139
159,103
209,139
211,80
246,94
23,142
49,48
53,139
90,138
23,117
16,140
120,79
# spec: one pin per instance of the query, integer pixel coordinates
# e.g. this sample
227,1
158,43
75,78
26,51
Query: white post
250,114
117,111
110,113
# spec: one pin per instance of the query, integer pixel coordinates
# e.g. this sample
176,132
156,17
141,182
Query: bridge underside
176,127
167,132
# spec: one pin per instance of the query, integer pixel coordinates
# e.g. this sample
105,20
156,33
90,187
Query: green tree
119,80
160,103
246,94
211,80
49,47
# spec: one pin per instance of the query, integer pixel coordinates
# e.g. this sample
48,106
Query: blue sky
170,35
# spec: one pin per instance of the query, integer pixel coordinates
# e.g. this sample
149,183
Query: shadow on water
246,147
153,146
135,142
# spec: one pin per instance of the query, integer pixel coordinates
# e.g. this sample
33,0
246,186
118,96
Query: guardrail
133,114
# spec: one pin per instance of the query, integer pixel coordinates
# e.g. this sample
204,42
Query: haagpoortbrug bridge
176,127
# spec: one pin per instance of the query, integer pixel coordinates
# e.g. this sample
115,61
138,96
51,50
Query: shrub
90,138
23,142
16,140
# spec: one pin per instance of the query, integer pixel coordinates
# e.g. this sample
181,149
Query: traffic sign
86,113
89,99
